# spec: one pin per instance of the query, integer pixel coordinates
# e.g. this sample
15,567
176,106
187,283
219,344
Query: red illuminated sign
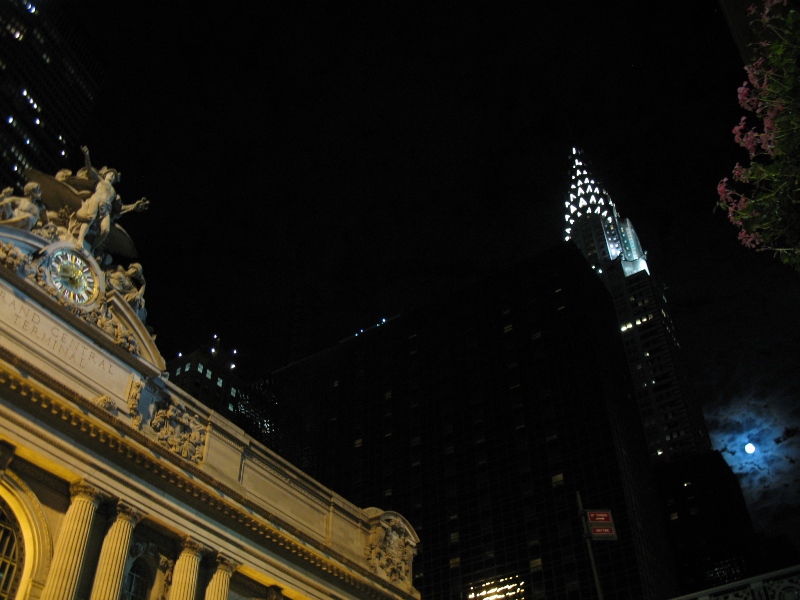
601,525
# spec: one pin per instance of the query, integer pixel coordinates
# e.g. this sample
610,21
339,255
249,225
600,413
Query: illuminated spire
592,222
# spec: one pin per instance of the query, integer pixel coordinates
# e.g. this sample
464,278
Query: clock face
73,277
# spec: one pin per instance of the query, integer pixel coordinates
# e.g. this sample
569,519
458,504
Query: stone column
70,550
111,568
218,586
184,577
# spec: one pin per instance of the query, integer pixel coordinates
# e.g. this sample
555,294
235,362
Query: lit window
208,374
199,368
558,480
536,565
508,328
230,406
454,537
455,562
233,392
358,442
219,381
673,516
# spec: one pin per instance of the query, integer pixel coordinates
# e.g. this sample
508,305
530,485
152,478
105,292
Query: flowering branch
763,200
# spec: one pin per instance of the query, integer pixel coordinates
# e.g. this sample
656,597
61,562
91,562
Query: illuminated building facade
48,83
117,484
481,417
673,423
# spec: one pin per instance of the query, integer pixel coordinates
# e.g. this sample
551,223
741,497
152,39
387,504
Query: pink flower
749,240
737,131
745,101
723,191
740,173
755,74
751,141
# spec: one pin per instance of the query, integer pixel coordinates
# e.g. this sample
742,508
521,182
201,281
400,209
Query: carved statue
86,207
124,281
25,212
103,207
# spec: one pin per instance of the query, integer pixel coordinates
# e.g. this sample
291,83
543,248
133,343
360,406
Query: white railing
778,585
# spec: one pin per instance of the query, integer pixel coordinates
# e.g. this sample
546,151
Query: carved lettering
63,344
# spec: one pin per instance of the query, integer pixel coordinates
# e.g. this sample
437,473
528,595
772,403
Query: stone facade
113,480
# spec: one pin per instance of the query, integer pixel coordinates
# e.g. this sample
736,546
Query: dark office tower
209,374
482,417
672,420
48,82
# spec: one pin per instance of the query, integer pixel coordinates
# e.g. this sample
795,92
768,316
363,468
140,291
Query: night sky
329,164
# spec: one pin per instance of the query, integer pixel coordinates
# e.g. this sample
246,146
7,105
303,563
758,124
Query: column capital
226,564
192,546
81,488
128,513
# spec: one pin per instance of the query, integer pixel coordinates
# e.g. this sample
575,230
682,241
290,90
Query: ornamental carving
134,395
16,260
179,431
167,566
391,549
104,402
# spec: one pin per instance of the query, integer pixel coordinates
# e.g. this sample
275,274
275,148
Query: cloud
769,477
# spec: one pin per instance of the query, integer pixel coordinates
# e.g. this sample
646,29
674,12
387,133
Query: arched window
137,583
12,553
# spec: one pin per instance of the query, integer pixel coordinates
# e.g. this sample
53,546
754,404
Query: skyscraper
482,417
48,82
672,420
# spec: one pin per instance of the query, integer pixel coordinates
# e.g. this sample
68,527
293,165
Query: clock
74,276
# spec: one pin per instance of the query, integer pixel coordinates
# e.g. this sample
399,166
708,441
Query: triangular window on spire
582,203
593,200
597,210
600,201
580,191
572,209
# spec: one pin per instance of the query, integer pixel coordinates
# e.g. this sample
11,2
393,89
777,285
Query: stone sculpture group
82,208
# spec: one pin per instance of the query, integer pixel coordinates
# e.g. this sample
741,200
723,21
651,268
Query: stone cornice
57,404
